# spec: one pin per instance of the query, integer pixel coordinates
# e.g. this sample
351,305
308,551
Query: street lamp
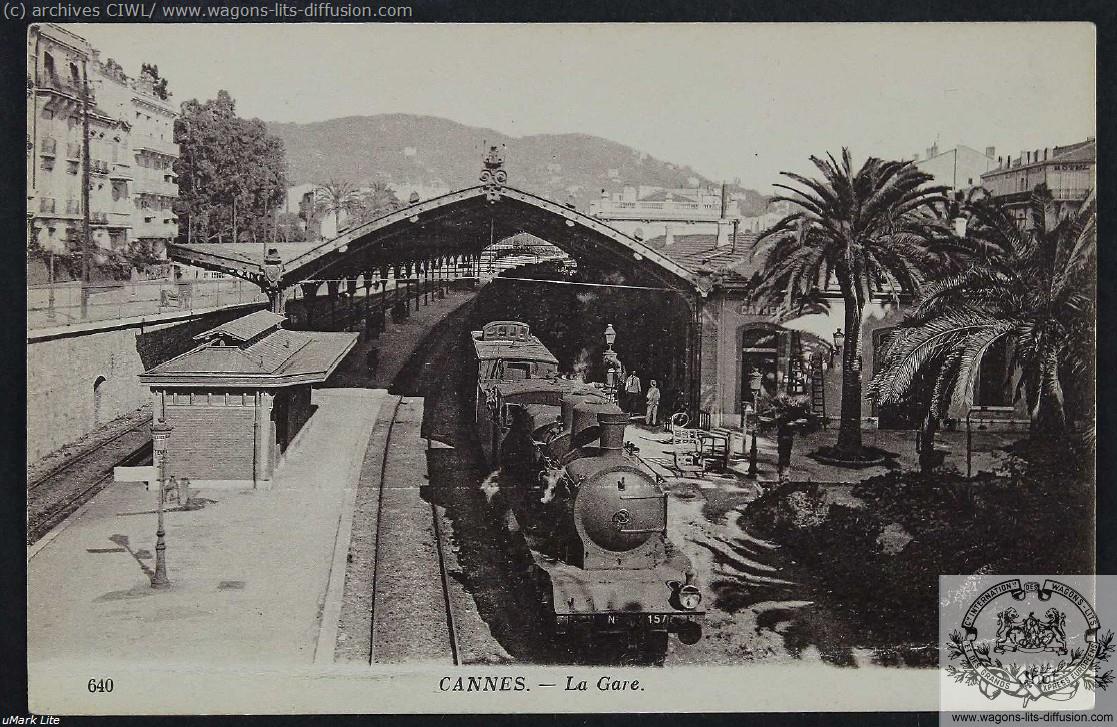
839,339
610,336
160,432
756,383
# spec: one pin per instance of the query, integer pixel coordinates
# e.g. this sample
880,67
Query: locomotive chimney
612,428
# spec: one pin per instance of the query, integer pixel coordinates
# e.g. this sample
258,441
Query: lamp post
756,380
612,363
160,432
839,339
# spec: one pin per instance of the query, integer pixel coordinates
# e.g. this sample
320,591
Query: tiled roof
663,195
321,354
700,253
1086,151
246,327
279,354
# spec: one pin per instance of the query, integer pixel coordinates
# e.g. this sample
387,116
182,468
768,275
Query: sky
732,101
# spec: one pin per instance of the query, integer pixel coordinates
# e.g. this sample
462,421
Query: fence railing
62,304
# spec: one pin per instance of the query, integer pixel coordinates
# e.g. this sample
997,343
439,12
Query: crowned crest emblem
1050,653
273,267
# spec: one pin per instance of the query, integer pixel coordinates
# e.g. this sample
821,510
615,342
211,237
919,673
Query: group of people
632,393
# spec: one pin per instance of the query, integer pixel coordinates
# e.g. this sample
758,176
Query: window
48,64
47,164
75,76
48,114
71,167
517,371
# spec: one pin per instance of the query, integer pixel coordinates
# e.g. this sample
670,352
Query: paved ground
986,454
249,571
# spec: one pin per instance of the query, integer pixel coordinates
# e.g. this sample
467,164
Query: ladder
818,394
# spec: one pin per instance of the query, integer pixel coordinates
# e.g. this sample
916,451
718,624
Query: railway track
52,498
75,461
412,610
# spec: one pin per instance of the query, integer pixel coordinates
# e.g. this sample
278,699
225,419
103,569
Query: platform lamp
756,383
160,432
611,363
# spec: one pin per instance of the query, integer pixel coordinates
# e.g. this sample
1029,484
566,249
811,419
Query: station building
801,355
238,400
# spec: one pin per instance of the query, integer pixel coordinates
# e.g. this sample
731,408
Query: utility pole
234,218
86,232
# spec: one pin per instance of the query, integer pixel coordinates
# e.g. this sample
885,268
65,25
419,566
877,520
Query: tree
159,84
868,230
376,201
1034,291
232,173
337,196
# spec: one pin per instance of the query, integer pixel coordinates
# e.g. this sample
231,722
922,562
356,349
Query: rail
57,488
380,572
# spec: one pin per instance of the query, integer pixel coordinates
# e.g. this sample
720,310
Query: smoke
582,364
551,478
490,486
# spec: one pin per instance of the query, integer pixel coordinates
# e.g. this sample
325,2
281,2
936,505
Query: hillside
410,150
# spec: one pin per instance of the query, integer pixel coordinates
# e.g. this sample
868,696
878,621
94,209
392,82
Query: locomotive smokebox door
619,514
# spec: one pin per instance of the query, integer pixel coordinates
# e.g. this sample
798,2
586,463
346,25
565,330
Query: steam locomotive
593,515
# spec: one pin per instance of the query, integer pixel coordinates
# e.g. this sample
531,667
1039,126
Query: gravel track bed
51,500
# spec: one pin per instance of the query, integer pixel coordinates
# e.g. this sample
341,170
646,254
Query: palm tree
1034,291
337,196
378,200
869,231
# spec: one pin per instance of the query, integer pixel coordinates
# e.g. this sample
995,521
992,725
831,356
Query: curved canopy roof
458,223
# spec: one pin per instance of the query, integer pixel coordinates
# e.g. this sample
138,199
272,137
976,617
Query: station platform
251,572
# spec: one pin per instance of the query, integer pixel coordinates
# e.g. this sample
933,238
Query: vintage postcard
388,367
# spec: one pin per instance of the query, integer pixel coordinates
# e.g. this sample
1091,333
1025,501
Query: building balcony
156,229
1059,194
98,166
112,219
121,171
155,146
58,84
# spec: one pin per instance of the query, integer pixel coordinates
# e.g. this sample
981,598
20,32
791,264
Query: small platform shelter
238,399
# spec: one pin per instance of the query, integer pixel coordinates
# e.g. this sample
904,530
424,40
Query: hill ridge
408,150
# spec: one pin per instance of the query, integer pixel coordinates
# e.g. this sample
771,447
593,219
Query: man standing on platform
653,404
632,389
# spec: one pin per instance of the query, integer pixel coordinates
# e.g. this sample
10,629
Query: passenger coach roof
531,350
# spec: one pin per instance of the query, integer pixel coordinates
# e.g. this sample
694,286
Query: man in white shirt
653,404
632,389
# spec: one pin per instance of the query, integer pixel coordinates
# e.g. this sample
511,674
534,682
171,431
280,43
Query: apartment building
1070,172
130,149
149,166
646,211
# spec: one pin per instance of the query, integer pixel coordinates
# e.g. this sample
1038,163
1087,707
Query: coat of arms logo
1001,651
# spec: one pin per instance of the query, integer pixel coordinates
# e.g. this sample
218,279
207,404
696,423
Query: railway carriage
593,515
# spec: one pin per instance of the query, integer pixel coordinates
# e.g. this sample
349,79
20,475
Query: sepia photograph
396,367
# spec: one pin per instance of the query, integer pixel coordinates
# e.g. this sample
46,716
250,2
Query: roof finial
493,175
